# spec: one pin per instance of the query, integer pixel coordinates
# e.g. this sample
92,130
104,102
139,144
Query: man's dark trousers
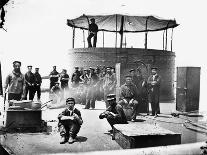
94,39
68,128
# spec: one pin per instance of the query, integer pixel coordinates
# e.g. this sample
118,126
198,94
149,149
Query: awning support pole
145,45
73,40
84,39
146,33
166,40
163,40
103,39
171,39
166,36
125,42
121,31
116,33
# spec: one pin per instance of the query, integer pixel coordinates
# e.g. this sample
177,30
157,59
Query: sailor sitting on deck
70,122
114,113
128,96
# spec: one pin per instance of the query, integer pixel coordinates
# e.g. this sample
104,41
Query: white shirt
153,77
71,112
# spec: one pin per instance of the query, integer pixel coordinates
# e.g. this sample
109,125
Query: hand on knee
125,101
131,101
135,102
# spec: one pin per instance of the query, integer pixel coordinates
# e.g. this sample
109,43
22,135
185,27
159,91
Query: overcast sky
37,33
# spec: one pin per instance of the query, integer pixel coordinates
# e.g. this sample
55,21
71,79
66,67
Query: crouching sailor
70,122
114,113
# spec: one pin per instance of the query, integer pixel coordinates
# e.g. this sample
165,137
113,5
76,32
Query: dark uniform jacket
38,79
93,28
54,79
29,78
135,80
138,80
66,112
64,82
128,91
76,77
154,90
118,110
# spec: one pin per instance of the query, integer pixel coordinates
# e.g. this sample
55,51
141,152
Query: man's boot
63,140
71,140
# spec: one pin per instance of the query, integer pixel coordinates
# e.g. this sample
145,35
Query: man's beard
17,70
113,104
70,108
108,72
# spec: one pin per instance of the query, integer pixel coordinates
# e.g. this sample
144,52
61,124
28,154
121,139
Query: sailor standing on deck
64,78
141,84
91,91
75,79
135,79
56,90
109,83
84,80
153,82
84,77
29,84
142,93
37,84
15,83
54,76
93,29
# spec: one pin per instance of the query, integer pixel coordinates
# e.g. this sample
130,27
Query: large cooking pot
28,104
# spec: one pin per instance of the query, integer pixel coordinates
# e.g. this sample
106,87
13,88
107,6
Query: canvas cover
112,23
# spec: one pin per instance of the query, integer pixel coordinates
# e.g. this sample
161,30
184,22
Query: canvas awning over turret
112,23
